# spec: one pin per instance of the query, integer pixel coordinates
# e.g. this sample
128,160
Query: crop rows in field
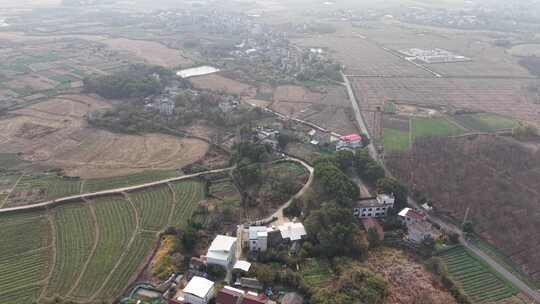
24,256
22,295
32,188
154,206
75,236
93,185
138,251
223,188
478,281
116,224
187,196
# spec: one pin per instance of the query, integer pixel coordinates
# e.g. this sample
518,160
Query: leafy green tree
333,231
336,183
345,160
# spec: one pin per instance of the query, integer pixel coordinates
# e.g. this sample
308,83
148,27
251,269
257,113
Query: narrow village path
524,288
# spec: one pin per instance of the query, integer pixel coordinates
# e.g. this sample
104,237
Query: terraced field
24,256
116,223
154,206
75,238
187,195
477,280
42,187
88,251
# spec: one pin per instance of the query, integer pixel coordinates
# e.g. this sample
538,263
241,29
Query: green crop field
116,223
154,206
316,272
24,256
75,237
485,122
425,127
93,185
395,140
88,250
477,280
187,196
43,187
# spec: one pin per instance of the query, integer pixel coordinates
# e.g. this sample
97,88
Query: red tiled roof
415,215
226,296
351,137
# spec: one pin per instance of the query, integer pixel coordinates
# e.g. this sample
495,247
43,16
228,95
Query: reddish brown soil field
494,177
215,82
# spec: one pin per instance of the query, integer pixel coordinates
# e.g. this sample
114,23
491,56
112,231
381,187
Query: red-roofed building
350,142
229,295
410,216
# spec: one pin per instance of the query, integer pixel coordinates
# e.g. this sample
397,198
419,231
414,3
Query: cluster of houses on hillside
223,253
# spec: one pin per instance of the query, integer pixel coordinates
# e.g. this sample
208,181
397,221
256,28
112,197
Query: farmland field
54,134
395,140
187,195
93,249
493,179
99,184
423,127
316,273
505,97
478,281
485,122
154,206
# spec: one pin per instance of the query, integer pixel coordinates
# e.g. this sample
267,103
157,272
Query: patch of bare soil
54,133
408,280
216,82
152,52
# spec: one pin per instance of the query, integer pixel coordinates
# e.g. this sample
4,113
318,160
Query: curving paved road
58,201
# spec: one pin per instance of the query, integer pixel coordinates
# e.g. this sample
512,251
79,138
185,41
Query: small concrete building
374,207
198,291
292,231
222,251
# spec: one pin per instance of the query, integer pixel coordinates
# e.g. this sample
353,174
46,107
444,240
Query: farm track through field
173,204
92,251
53,256
125,252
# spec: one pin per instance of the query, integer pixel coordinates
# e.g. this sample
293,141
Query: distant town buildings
222,251
374,207
432,55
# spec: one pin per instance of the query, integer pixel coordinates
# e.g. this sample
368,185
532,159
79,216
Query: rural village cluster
269,152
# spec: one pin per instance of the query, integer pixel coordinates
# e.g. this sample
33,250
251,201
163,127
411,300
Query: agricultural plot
224,189
316,273
154,206
477,280
438,127
492,179
75,238
41,187
507,97
395,140
24,256
116,222
187,196
93,185
485,122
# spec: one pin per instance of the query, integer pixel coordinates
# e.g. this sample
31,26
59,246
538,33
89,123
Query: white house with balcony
222,251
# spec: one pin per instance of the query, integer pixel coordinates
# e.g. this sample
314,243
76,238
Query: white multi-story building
374,207
222,251
258,238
